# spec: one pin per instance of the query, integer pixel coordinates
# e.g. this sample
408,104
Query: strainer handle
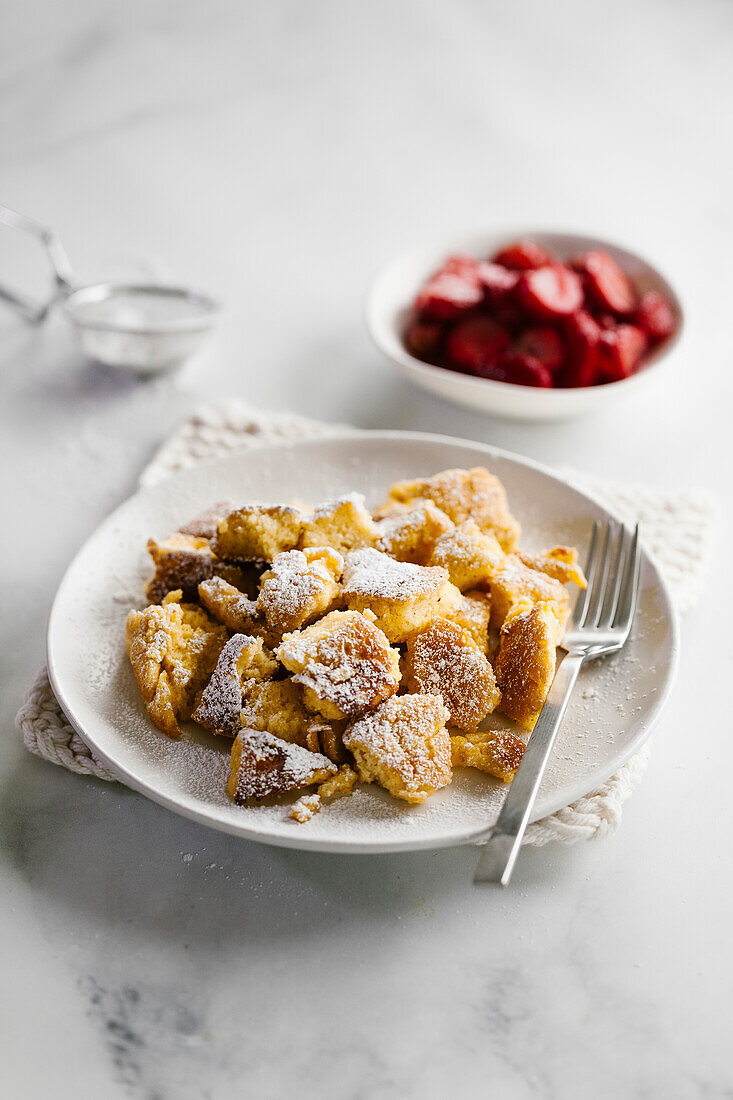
31,309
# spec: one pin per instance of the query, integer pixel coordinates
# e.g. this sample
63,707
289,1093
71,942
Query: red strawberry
543,343
551,292
620,351
523,256
422,338
459,264
520,370
583,334
500,286
476,342
609,287
447,295
655,316
496,280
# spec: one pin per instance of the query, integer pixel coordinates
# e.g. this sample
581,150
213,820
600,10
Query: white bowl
389,304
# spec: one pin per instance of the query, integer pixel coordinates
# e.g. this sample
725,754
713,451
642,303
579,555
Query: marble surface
277,154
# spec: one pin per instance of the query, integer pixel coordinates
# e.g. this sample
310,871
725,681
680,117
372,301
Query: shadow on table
111,856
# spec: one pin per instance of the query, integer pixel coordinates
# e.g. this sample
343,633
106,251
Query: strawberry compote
528,318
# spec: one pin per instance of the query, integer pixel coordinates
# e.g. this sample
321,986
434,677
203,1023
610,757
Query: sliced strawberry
496,280
523,256
551,292
543,343
477,342
620,351
606,320
655,316
446,296
520,370
422,338
451,291
608,285
583,335
500,286
459,264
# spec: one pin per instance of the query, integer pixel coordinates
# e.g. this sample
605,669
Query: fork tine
590,567
610,603
595,602
629,587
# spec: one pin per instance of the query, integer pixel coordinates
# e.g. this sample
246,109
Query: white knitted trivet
675,526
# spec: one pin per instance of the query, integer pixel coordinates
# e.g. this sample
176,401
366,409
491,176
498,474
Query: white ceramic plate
614,707
389,304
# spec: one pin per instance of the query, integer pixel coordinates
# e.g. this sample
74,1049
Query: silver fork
602,621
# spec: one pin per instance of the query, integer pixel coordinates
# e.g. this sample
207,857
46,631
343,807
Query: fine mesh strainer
144,328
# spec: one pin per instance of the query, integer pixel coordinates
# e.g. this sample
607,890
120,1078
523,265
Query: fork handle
505,838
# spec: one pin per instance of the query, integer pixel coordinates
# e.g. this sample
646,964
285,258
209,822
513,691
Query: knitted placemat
676,527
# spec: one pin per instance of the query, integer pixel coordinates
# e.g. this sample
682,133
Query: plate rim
320,844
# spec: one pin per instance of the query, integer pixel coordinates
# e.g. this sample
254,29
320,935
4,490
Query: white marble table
277,154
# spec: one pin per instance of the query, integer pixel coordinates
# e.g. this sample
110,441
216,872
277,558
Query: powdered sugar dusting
270,766
410,533
221,700
374,575
399,523
351,665
327,508
405,744
295,588
305,808
442,662
466,494
236,610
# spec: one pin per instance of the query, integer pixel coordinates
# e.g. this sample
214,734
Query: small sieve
143,328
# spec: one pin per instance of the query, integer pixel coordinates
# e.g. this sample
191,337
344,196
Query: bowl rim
94,293
384,335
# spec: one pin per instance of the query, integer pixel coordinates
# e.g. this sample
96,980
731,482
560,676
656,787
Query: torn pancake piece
463,494
403,597
496,752
410,531
561,563
469,554
343,524
258,532
243,659
526,661
263,765
404,746
277,707
173,649
204,524
337,786
237,611
473,614
300,586
183,561
444,660
515,585
344,663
